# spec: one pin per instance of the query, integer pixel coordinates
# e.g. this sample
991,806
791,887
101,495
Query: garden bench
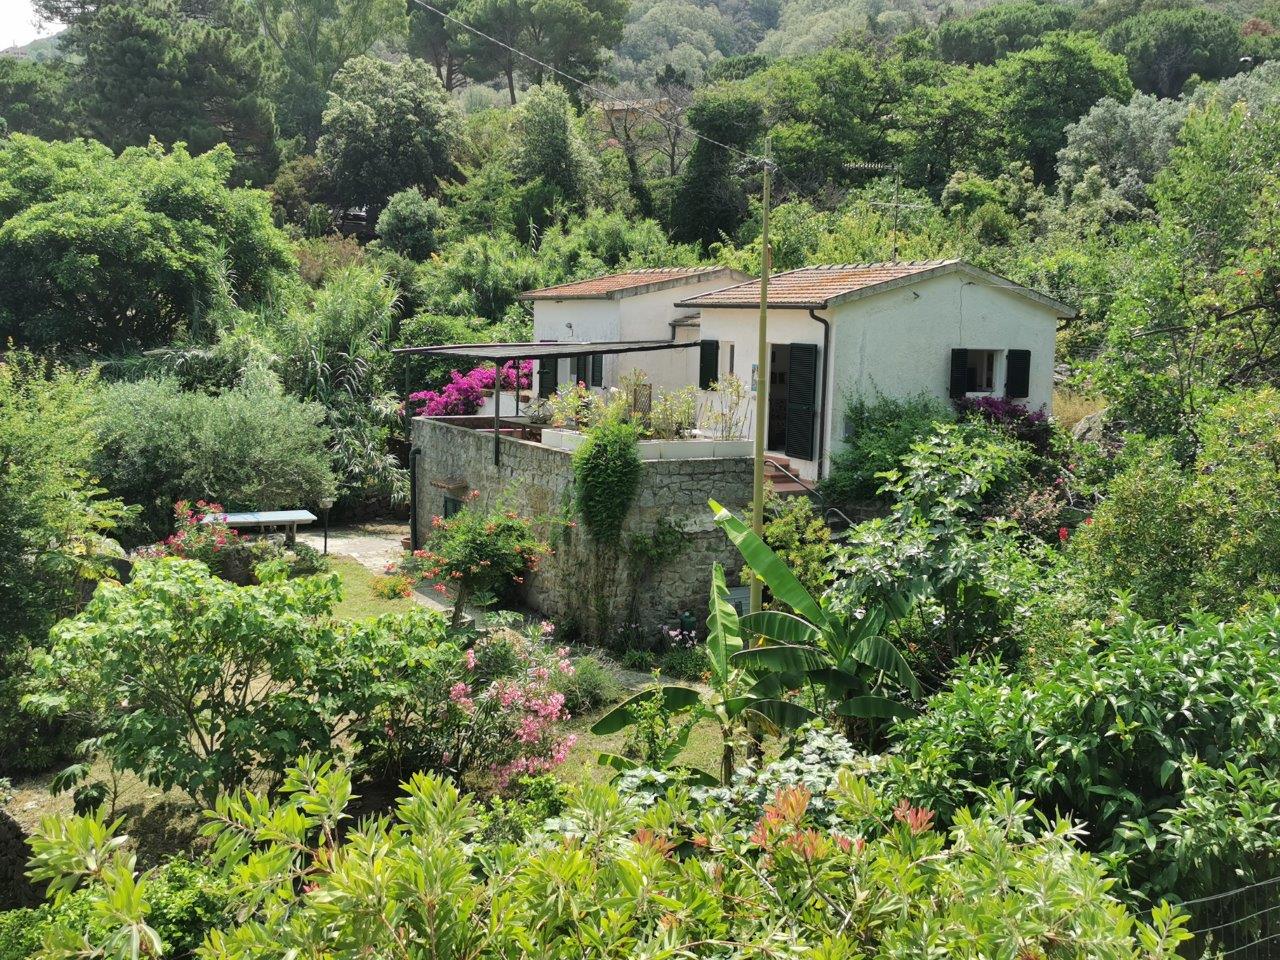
286,521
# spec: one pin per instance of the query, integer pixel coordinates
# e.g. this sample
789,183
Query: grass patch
358,600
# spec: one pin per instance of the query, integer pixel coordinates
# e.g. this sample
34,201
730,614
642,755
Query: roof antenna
897,186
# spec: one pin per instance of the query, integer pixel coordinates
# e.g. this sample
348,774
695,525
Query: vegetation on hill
1027,699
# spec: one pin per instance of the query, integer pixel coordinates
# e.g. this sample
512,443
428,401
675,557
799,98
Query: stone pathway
373,544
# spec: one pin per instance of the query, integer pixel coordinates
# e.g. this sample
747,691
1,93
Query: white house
939,327
632,306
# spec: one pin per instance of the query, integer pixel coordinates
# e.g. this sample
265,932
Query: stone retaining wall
591,588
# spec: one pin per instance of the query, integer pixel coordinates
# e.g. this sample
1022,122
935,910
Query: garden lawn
358,599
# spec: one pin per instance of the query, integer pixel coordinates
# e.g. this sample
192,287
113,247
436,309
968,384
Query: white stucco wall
644,316
898,343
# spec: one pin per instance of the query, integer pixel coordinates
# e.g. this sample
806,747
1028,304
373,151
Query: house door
779,362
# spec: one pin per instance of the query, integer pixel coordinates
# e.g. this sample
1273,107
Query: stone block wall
593,589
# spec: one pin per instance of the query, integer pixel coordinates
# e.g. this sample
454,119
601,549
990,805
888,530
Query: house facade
941,328
636,305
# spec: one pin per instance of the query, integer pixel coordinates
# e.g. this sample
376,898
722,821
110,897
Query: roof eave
666,283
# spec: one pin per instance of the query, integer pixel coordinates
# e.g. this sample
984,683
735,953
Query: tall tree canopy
99,252
313,39
152,70
1164,48
989,34
387,126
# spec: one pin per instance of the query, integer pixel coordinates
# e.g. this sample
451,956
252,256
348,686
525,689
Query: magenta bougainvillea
463,393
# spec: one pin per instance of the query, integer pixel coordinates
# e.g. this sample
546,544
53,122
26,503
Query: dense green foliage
247,449
106,253
747,882
877,435
1155,736
53,538
606,474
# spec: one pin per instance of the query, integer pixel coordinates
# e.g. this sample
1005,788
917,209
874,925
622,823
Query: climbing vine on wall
606,473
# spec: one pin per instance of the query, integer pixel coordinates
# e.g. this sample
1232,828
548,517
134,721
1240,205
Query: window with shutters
708,363
597,370
980,373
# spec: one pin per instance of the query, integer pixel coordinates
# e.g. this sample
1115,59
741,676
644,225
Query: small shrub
482,553
878,434
588,685
634,659
391,587
685,663
795,532
412,224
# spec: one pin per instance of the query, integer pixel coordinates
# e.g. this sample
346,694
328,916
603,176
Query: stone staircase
783,485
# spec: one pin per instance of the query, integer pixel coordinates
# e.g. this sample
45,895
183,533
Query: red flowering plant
201,533
480,553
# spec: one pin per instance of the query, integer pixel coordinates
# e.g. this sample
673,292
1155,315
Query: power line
599,92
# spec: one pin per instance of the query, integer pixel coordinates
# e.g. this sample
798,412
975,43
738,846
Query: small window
732,358
981,372
452,507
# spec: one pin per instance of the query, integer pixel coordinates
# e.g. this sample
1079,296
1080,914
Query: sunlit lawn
358,600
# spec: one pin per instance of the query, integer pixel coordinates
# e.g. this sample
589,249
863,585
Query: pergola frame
501,354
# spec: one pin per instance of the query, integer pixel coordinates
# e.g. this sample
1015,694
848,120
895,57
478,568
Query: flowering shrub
195,537
483,714
619,881
480,553
1029,426
202,534
463,394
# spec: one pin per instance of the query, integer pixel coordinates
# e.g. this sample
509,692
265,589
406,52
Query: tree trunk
511,83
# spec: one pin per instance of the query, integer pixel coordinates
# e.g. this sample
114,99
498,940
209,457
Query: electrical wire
597,91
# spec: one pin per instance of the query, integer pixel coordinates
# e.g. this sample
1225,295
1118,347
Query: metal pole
762,374
497,409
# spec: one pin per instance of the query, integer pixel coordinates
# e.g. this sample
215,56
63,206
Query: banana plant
850,669
729,701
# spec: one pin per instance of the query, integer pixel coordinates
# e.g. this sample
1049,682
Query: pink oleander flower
470,659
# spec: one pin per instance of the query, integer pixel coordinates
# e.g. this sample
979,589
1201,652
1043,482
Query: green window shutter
959,374
597,370
581,369
708,363
1017,380
547,377
802,400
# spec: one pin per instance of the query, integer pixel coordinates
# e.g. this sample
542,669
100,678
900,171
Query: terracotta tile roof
814,287
627,283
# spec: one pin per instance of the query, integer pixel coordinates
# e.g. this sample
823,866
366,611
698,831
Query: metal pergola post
497,414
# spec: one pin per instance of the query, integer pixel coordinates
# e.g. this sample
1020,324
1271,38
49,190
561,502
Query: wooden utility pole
762,372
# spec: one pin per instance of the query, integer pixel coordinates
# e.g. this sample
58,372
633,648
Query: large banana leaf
879,654
673,699
774,685
784,628
874,708
781,659
768,566
723,636
837,683
783,714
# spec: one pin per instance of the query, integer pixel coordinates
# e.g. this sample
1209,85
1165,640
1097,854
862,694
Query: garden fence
1240,924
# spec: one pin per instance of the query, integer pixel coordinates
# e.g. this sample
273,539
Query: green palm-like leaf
880,654
612,760
768,566
723,635
781,659
783,714
871,707
619,718
784,628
